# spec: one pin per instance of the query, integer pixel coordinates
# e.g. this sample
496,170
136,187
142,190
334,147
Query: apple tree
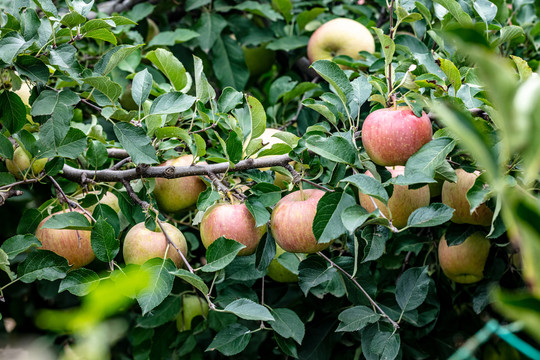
233,179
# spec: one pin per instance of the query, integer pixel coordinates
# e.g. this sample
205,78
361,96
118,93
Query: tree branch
4,195
373,303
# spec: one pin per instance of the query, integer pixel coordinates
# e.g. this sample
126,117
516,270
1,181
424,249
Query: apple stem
373,303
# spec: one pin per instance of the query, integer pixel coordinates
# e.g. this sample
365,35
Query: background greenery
215,74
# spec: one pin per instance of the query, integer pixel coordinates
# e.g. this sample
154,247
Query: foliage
117,89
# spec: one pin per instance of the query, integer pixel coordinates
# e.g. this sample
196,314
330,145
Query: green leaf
203,90
386,345
353,217
324,108
258,210
68,220
209,26
288,43
376,238
412,288
6,147
29,221
288,324
332,73
452,73
263,10
80,282
314,271
430,157
200,144
356,318
54,141
142,85
113,57
521,306
457,12
102,34
104,241
12,111
368,185
96,154
169,65
11,44
335,148
42,265
231,340
420,52
229,99
234,147
258,117
432,215
266,250
221,253
172,103
327,225
249,310
170,38
285,8
207,198
18,244
4,265
388,47
57,104
48,7
159,285
136,142
307,16
163,313
191,279
288,346
106,86
229,64
486,9
32,67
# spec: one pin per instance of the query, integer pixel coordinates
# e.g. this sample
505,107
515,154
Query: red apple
402,203
390,136
292,222
233,221
142,244
22,165
66,243
464,263
455,196
174,195
339,36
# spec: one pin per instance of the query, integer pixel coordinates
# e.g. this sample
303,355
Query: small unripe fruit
21,164
192,306
278,272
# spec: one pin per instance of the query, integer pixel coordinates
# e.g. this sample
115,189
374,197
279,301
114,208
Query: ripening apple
142,244
73,245
192,306
292,222
21,164
464,263
174,195
390,136
402,203
339,36
455,196
258,59
108,199
232,221
278,272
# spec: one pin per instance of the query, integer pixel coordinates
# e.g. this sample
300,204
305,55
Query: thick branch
4,195
171,172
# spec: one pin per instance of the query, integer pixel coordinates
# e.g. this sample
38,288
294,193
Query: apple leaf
288,346
376,238
4,265
136,142
141,87
72,220
221,253
369,186
231,340
249,310
353,217
288,324
430,156
169,65
229,99
29,221
162,314
109,215
229,64
106,86
428,216
332,73
191,279
203,90
42,265
266,250
259,212
104,242
159,285
172,103
12,111
386,345
412,288
113,57
520,306
327,225
335,148
80,282
356,318
313,271
18,244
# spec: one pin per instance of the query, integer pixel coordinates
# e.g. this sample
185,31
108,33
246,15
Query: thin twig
137,200
224,189
373,303
121,163
4,195
169,240
391,226
22,182
71,204
95,107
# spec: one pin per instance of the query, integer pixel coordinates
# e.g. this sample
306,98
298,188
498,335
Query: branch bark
4,195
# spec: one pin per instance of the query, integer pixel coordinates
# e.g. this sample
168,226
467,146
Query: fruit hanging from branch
192,306
278,272
390,136
22,165
142,244
175,195
292,222
232,221
402,203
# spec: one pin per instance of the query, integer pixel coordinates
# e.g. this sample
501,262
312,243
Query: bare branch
71,204
22,182
373,303
143,204
4,195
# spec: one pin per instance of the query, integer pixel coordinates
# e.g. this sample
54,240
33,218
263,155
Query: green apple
278,272
192,306
175,195
464,263
73,245
258,59
402,203
233,221
21,163
340,36
108,199
142,244
455,196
